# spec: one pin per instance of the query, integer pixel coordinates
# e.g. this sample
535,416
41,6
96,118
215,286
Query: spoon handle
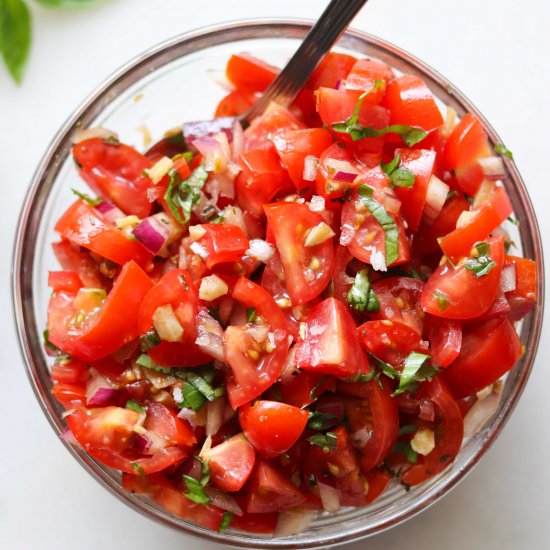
284,89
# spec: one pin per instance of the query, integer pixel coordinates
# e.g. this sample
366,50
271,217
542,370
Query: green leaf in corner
68,3
15,36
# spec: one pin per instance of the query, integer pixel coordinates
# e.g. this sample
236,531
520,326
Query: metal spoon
286,87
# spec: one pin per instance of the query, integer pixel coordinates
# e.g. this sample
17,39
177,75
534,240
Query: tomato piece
69,372
411,102
256,523
376,412
390,341
333,68
230,463
304,388
177,289
467,143
489,350
377,480
166,424
235,103
105,329
68,394
445,337
64,280
399,299
449,433
458,293
330,344
484,221
270,491
293,146
261,179
363,76
524,297
83,225
307,268
72,258
249,73
421,163
115,172
223,243
272,427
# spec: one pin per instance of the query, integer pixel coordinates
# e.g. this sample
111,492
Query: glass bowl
157,91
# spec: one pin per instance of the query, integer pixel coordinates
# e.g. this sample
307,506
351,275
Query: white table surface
496,51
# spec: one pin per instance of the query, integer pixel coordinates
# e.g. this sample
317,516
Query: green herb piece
384,368
415,369
250,314
441,300
404,447
188,156
320,421
137,468
47,342
87,198
513,220
205,471
399,176
391,232
361,296
326,441
362,377
147,363
113,140
149,340
317,387
196,490
407,429
226,520
134,406
192,397
184,194
15,36
204,386
483,263
502,150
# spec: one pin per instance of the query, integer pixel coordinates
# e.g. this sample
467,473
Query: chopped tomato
363,76
165,424
222,243
334,68
235,103
64,280
305,387
524,297
249,73
445,337
72,258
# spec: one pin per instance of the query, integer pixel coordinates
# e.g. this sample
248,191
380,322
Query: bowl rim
21,289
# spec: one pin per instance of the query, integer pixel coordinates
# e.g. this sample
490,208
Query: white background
495,51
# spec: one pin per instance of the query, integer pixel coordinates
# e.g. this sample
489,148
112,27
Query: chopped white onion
223,500
508,278
212,287
465,218
233,215
293,521
436,195
210,335
261,250
390,201
330,498
311,163
317,203
196,232
450,122
195,418
319,234
166,324
482,411
237,144
258,332
492,167
220,185
215,150
127,222
214,415
347,232
198,249
159,169
91,133
484,193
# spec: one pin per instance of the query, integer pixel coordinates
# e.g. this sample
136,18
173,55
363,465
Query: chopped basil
147,363
204,386
384,368
404,447
513,220
415,369
483,263
87,198
111,140
361,296
502,150
149,340
326,441
184,194
192,397
320,421
226,521
250,314
188,156
134,406
205,471
441,300
353,120
399,176
196,490
387,223
313,394
137,468
409,134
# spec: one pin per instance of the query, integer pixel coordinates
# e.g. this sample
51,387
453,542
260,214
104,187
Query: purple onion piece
142,443
202,128
103,397
347,177
109,211
223,500
152,234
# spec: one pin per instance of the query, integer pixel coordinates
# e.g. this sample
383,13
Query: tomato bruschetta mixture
255,325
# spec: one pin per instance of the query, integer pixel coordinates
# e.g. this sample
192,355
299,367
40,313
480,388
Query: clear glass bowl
161,88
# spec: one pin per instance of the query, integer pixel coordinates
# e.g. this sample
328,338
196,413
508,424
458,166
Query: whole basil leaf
15,36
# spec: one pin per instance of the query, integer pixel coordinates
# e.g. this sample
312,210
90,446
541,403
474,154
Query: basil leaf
137,468
352,121
399,176
409,134
441,300
184,194
205,471
361,296
226,520
391,232
384,367
15,36
149,340
483,263
415,369
204,386
390,166
196,490
86,198
326,441
250,314
192,397
134,406
320,421
502,150
147,363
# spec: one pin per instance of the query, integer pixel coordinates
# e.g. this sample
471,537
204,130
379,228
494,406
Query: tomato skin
449,435
272,427
71,258
375,411
489,350
165,423
235,103
330,344
293,146
445,337
108,330
421,163
485,220
231,463
307,269
467,295
64,280
249,73
115,172
271,491
223,243
363,76
524,297
83,225
333,68
411,102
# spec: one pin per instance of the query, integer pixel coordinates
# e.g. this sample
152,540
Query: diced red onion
195,469
109,212
223,500
69,437
341,169
310,168
293,521
427,410
436,195
201,128
346,177
330,498
238,315
237,145
258,332
508,279
142,443
193,417
152,234
103,397
215,150
210,335
339,83
481,412
492,168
